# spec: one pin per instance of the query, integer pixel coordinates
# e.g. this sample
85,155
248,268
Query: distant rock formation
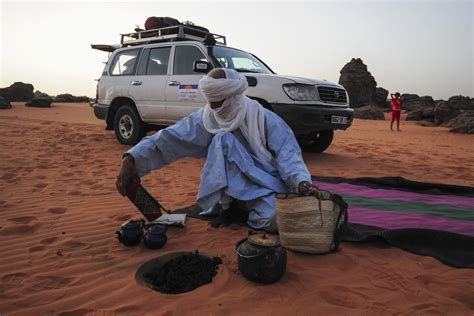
369,112
40,102
4,104
358,82
463,123
18,91
445,111
365,97
418,108
40,94
69,98
380,99
456,113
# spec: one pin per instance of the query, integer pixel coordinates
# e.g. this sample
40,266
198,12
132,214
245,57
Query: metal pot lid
262,239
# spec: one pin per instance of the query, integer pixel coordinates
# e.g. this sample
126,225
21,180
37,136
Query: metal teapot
131,232
155,237
261,258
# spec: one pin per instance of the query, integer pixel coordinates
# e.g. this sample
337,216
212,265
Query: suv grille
332,95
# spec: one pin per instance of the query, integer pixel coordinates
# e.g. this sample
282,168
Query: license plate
338,119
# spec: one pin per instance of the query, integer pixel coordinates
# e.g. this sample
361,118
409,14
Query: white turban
237,111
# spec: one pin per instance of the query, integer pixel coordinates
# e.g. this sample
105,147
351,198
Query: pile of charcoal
183,273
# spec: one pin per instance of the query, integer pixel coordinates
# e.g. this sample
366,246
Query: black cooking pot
155,237
261,258
131,232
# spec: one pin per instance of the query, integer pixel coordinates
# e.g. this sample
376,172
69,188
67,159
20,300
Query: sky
422,47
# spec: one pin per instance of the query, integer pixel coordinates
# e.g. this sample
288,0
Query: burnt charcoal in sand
183,273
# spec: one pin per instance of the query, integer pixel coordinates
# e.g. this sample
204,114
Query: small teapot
131,232
155,237
261,258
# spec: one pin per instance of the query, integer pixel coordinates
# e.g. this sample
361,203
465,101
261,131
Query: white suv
152,81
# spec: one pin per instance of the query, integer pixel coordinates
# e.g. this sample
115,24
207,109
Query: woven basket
311,223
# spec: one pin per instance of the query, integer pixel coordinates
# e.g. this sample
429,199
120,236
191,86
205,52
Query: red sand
59,211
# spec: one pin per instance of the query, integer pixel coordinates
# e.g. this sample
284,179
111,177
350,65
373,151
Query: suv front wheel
129,128
317,142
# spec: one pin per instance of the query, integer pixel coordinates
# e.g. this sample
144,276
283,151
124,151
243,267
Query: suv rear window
124,63
184,58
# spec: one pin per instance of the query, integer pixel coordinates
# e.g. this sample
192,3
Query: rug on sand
428,219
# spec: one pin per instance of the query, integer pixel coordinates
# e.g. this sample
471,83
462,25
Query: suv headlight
301,92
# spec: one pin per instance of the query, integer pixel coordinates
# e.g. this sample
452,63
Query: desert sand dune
59,211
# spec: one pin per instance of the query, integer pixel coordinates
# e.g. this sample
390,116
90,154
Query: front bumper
100,110
306,119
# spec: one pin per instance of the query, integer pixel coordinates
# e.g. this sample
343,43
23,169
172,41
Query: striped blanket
424,218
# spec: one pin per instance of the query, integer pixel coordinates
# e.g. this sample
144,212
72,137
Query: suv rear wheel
129,128
317,142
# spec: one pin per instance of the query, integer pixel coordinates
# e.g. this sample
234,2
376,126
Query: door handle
174,83
136,83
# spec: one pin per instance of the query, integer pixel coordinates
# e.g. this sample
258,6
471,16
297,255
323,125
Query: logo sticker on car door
187,92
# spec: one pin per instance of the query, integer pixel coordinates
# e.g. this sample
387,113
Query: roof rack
169,34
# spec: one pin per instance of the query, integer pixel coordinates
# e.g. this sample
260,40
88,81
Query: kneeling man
250,152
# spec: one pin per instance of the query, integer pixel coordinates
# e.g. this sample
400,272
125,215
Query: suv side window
158,61
125,63
184,58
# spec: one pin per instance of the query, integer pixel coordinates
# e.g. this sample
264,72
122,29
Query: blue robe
231,168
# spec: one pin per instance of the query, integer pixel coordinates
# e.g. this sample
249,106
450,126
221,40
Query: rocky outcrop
40,102
358,82
18,91
411,102
418,108
463,123
445,111
4,104
69,98
369,112
40,94
380,98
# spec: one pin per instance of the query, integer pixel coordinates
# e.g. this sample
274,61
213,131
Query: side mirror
201,66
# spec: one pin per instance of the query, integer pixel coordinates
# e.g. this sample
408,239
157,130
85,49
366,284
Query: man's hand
305,188
127,174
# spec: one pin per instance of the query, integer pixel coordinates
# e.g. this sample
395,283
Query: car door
182,91
148,88
115,82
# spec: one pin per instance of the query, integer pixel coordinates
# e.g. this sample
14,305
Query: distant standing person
396,109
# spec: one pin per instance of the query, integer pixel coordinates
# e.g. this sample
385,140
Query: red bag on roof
154,22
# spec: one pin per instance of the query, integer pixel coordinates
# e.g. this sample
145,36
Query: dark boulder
411,102
421,113
69,98
462,103
369,112
4,104
463,123
40,94
40,102
358,82
407,100
428,113
380,98
445,111
65,97
18,91
415,115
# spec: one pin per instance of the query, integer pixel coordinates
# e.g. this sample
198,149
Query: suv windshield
239,60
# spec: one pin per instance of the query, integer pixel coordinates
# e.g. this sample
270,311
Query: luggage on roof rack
154,22
181,32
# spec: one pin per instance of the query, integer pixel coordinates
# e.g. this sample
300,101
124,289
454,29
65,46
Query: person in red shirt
396,109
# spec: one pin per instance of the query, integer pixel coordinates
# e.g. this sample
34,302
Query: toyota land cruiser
151,80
